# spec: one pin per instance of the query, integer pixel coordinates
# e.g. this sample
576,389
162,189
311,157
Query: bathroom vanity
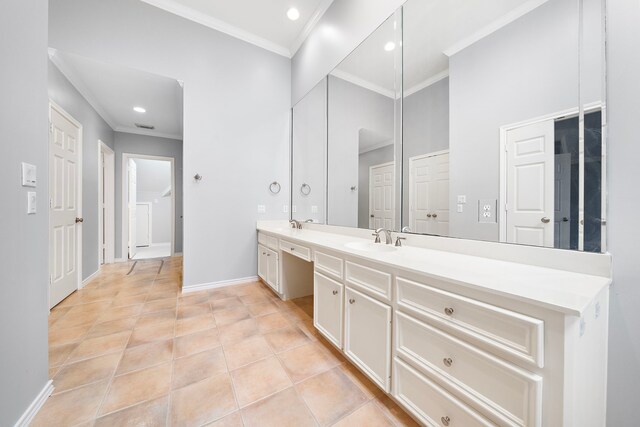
460,333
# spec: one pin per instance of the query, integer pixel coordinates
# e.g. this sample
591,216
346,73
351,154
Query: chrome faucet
387,235
295,224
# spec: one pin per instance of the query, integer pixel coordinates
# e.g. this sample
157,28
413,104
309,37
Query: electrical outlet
460,208
314,209
487,210
262,209
462,199
294,209
285,208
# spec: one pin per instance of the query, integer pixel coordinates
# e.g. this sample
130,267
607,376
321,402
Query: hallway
129,349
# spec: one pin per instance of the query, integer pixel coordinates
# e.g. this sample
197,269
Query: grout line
132,267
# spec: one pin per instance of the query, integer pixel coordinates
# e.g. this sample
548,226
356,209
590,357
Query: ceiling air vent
141,126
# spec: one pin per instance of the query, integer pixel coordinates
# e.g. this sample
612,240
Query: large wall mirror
475,120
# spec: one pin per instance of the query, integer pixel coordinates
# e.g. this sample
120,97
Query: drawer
272,242
506,331
510,394
295,249
262,238
371,279
429,402
330,265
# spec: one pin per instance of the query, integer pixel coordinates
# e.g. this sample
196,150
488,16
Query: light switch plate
28,175
460,208
314,209
262,209
285,208
487,210
462,199
294,209
32,202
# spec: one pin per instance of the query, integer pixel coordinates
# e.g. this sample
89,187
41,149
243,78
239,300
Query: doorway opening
148,215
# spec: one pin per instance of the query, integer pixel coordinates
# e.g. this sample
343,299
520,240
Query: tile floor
130,350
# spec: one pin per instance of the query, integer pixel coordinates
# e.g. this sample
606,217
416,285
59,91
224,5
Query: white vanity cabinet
328,302
269,266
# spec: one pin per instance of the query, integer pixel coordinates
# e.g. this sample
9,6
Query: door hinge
51,279
50,127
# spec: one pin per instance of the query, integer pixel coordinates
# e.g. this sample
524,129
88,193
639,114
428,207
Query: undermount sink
370,247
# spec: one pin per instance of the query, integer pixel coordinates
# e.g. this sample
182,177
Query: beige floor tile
284,409
150,319
72,407
233,420
160,331
225,304
330,396
308,329
197,342
286,338
202,402
92,347
368,415
147,414
307,360
231,316
272,322
85,372
391,409
238,331
358,378
185,311
125,301
252,349
112,327
297,315
121,313
260,298
262,309
136,387
59,336
159,305
80,318
190,325
59,354
161,294
218,294
198,366
194,298
146,355
259,380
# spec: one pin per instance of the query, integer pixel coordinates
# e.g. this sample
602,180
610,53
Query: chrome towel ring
305,189
275,187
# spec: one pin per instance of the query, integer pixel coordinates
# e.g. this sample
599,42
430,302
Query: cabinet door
262,262
272,269
368,336
327,309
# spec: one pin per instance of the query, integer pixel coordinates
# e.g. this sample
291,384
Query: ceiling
152,175
433,31
113,91
260,22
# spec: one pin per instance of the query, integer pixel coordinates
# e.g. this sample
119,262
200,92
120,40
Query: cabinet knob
447,362
435,215
268,254
428,215
264,253
293,249
351,301
445,420
335,292
448,311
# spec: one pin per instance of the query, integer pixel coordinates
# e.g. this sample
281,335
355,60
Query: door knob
435,215
335,292
371,215
79,220
565,219
447,361
351,301
545,220
445,420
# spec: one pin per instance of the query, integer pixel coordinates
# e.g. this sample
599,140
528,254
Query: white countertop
558,290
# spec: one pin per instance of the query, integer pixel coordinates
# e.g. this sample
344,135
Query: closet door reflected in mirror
363,138
502,121
309,156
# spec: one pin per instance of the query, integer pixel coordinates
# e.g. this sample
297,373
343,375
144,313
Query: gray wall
365,161
94,128
23,238
237,98
425,124
150,145
525,70
351,108
624,204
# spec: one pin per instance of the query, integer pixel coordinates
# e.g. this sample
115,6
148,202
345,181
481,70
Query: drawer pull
264,253
335,292
351,301
448,311
445,420
293,249
447,362
268,254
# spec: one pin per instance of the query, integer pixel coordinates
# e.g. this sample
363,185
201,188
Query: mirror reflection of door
429,193
132,192
381,196
143,225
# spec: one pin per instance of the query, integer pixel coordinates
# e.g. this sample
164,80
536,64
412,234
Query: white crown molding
80,86
425,84
147,132
494,26
311,23
176,8
358,81
376,146
35,406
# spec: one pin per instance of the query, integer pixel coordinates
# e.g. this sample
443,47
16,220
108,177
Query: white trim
76,123
308,27
147,132
90,278
125,202
220,284
108,155
494,26
150,214
363,83
179,9
35,406
428,82
376,146
121,260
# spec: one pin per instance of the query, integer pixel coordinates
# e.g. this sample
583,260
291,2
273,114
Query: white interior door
132,189
382,196
429,194
64,146
562,202
143,225
530,182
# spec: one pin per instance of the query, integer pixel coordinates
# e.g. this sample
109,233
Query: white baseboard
35,406
177,254
220,284
90,278
120,260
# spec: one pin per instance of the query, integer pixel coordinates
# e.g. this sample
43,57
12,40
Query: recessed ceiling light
293,14
389,46
139,110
